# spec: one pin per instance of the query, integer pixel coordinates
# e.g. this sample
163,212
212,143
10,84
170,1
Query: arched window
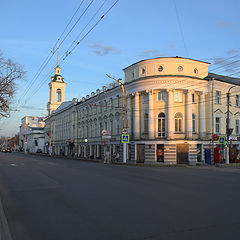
178,122
161,124
59,95
194,123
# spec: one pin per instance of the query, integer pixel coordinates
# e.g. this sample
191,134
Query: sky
133,30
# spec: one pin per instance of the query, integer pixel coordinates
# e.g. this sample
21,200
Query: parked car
8,150
39,150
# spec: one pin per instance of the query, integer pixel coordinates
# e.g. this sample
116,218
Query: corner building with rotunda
173,108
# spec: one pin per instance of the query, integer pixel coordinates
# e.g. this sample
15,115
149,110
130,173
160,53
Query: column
150,115
202,116
170,117
129,114
136,126
189,115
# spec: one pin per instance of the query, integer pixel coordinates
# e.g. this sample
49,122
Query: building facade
31,133
173,108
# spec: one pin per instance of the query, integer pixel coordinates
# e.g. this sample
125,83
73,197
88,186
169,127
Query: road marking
13,165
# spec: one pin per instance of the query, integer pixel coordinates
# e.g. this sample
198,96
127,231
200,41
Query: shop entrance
160,152
182,153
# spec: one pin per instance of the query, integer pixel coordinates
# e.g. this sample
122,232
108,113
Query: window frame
178,121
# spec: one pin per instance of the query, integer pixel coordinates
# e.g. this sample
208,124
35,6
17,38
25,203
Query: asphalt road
54,198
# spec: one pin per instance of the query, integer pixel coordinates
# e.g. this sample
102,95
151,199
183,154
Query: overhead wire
48,75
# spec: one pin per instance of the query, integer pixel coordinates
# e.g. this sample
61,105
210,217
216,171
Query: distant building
174,107
14,142
31,129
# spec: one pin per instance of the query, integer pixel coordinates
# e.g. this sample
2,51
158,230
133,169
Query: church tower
56,90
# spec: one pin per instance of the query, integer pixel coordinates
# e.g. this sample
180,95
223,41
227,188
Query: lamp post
228,130
123,96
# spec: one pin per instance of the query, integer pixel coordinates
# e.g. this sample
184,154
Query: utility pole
124,110
228,130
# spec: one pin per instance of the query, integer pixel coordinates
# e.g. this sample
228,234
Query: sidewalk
153,164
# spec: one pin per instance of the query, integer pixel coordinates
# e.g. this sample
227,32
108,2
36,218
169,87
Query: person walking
117,157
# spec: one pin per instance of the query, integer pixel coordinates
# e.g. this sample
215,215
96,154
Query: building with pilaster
174,107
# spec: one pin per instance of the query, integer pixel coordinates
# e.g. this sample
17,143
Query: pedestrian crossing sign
221,140
125,138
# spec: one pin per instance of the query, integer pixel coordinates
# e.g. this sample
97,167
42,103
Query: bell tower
56,90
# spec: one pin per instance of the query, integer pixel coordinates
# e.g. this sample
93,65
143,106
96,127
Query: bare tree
10,72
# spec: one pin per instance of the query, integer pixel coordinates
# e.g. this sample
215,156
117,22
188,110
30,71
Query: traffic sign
215,137
125,138
106,132
124,131
221,140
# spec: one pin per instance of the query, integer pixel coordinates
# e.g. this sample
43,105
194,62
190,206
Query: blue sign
125,138
221,140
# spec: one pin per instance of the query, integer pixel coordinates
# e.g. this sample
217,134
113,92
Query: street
54,198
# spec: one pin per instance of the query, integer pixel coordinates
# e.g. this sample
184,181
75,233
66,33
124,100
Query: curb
4,229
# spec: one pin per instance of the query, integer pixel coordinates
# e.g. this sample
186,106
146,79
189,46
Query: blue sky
133,30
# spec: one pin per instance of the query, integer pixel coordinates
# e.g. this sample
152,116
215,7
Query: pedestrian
117,157
114,157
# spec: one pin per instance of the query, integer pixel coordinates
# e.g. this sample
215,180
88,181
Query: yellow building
174,107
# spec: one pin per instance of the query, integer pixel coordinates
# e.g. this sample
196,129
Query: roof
224,78
63,105
55,77
163,58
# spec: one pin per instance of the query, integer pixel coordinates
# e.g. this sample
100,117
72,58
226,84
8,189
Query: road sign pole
124,152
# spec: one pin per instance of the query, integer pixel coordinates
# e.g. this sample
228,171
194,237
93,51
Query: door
160,152
140,153
233,154
182,153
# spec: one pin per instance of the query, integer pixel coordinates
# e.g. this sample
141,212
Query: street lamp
228,130
123,95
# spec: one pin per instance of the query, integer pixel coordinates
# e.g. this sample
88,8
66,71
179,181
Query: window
143,71
237,126
111,126
218,97
161,124
145,99
218,123
111,103
118,126
145,122
161,96
105,125
237,101
132,74
180,68
100,129
160,68
193,98
59,95
105,105
194,126
178,96
178,122
118,101
195,70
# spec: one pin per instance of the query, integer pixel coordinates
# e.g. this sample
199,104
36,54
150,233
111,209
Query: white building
31,132
174,107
